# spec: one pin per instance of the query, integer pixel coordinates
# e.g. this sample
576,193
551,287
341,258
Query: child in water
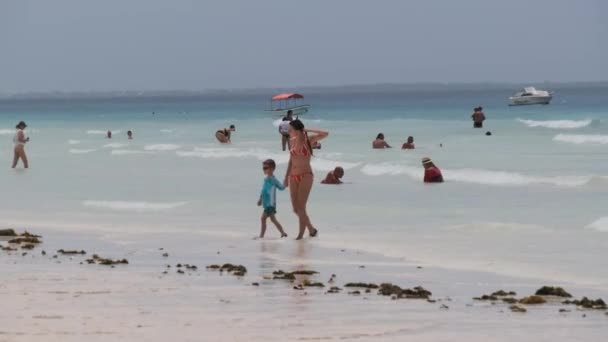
268,197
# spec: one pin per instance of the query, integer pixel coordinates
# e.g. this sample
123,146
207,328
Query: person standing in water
432,174
380,143
223,135
478,117
284,129
299,175
268,197
409,145
130,135
20,140
109,135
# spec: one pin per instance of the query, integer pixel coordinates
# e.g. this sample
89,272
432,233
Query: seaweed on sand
362,285
96,259
553,291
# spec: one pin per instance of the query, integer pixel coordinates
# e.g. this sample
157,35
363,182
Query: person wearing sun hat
19,140
432,174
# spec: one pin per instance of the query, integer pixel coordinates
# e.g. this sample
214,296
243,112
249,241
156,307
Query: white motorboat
530,96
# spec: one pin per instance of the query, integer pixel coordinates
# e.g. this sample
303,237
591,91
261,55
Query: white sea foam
477,176
81,151
166,130
557,124
114,145
132,206
600,225
161,147
582,138
328,165
7,131
96,131
221,153
73,142
125,152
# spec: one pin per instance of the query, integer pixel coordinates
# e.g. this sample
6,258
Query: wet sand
67,299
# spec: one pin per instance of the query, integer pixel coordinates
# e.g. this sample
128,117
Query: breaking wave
124,152
95,131
221,153
559,124
132,206
161,147
114,145
582,138
81,151
477,176
73,142
7,131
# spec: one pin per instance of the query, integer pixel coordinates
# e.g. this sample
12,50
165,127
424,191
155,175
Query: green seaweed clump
304,272
553,291
417,292
334,289
70,252
532,300
516,308
503,293
362,285
307,283
486,297
509,300
106,261
25,239
237,270
587,303
7,232
282,275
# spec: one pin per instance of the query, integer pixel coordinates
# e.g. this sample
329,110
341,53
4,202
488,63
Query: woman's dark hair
290,112
270,163
410,138
232,127
299,126
21,125
380,136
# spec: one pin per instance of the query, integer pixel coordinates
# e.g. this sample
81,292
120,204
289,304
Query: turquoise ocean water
530,200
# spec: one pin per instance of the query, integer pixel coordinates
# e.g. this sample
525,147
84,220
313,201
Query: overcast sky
80,45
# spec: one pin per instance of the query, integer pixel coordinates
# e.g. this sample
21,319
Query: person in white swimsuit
19,140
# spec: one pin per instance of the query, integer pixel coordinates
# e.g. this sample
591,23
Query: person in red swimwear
299,176
432,174
333,177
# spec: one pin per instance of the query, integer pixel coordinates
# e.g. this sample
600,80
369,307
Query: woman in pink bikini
299,176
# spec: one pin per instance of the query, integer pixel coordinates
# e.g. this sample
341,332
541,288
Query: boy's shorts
270,210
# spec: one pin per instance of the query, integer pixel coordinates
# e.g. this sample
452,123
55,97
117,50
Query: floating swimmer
223,135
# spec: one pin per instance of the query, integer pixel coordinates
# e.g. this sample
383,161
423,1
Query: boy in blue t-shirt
268,197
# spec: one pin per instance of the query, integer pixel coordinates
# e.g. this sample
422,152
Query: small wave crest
477,176
132,206
126,152
73,142
219,153
7,131
114,145
81,151
95,131
165,130
161,147
582,138
559,124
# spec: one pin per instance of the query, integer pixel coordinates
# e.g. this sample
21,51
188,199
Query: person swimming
223,135
19,141
379,143
334,177
432,174
109,135
130,135
409,145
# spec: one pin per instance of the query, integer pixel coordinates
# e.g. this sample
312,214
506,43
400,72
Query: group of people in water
299,175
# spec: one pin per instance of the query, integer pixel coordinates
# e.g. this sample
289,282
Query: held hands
286,182
259,202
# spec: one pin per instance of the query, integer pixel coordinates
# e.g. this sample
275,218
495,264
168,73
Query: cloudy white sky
80,45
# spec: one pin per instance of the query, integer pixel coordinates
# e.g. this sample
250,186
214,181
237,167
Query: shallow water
527,201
